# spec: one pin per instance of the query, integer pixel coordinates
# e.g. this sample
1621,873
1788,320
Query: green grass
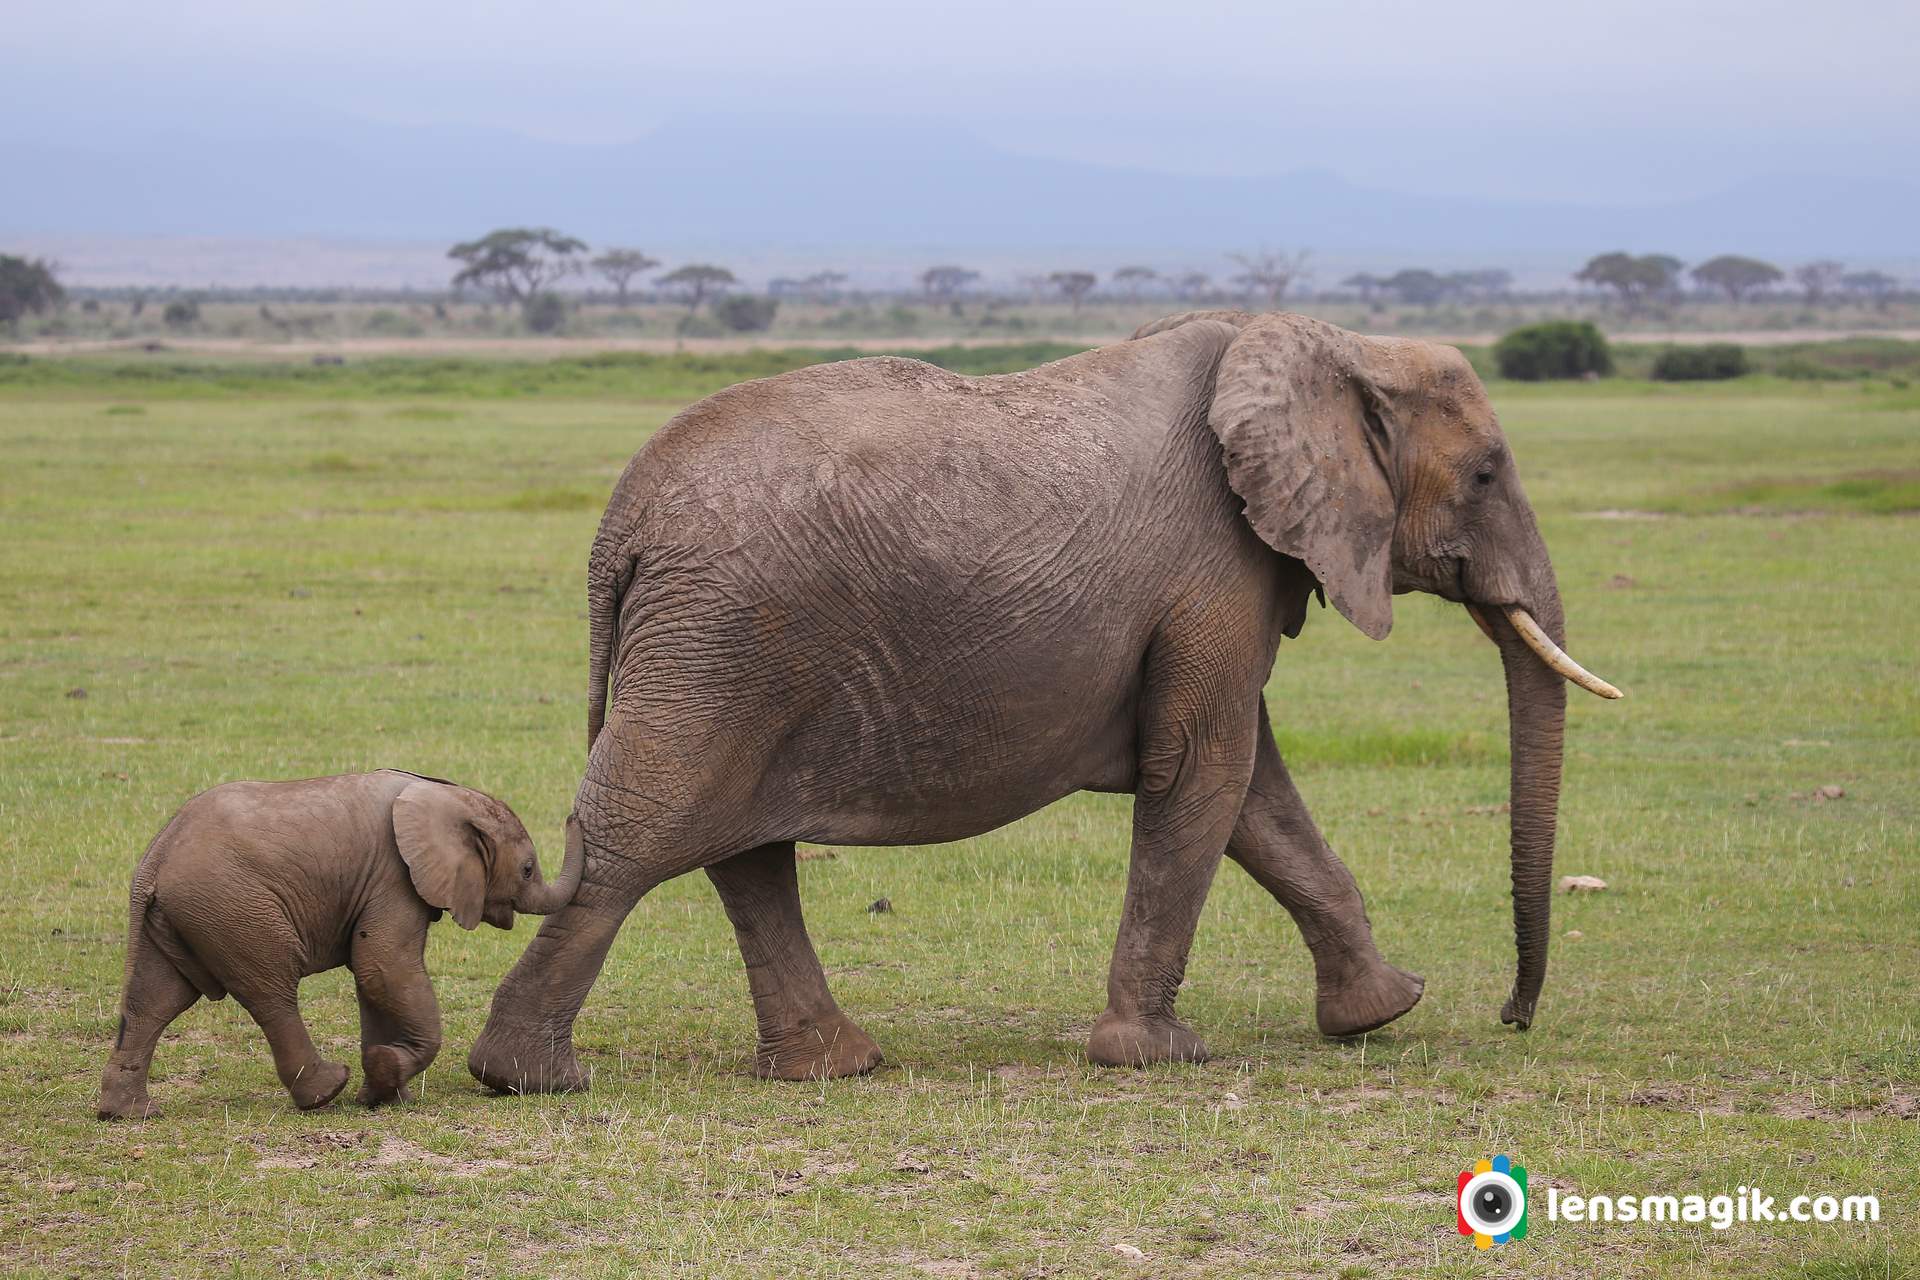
614,373
288,572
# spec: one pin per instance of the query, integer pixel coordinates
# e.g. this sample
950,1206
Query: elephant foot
1141,1042
124,1101
385,1068
318,1085
825,1050
1371,998
509,1062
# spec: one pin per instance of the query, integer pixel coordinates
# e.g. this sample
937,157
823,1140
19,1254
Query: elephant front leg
1277,843
399,1017
803,1035
1192,779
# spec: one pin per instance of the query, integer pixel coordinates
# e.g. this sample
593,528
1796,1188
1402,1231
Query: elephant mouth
1536,639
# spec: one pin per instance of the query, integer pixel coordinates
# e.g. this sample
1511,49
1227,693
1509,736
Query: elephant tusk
1554,656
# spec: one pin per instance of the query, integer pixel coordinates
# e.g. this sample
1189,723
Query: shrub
1707,362
745,312
181,313
546,313
1553,349
392,324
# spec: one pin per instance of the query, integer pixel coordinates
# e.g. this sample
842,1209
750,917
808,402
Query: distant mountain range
801,186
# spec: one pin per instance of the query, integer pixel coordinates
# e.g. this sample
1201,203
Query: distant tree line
1639,279
521,266
525,268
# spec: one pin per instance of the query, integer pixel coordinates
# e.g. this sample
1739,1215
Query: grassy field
228,575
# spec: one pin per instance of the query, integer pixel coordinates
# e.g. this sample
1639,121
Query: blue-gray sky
1627,101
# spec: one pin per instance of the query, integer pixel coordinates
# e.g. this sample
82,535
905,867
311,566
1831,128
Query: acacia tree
1483,282
696,280
26,285
1074,285
517,263
1736,275
1269,273
1635,278
1877,285
620,266
822,286
1131,278
1189,286
1819,279
1364,281
947,280
1416,286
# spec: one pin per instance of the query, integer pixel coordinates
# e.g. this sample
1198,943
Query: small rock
78,693
1581,884
1574,935
1828,792
300,593
880,906
811,854
1128,1251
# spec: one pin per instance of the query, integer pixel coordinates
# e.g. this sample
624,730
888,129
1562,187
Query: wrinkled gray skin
254,885
876,603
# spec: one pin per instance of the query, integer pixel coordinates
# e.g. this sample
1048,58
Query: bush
181,313
744,312
1707,362
1554,349
546,313
392,324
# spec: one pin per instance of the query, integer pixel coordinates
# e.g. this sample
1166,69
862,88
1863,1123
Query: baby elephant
255,885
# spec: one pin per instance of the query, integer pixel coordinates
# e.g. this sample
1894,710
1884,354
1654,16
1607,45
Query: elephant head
469,854
1379,464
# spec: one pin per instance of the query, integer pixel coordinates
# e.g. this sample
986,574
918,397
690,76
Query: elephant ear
1238,319
433,825
1298,417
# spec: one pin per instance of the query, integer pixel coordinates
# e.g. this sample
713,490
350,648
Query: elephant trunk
1536,724
540,898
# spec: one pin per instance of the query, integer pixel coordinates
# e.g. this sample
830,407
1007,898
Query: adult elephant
874,602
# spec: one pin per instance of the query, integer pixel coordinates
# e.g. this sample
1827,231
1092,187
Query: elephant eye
526,872
1483,477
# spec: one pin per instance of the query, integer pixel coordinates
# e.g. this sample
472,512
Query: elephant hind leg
272,998
155,994
803,1035
653,806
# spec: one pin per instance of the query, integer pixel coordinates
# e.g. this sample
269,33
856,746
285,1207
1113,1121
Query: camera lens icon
1493,1202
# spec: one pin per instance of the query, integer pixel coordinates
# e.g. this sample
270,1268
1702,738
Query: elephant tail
608,576
151,936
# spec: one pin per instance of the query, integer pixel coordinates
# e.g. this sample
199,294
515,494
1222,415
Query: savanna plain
213,571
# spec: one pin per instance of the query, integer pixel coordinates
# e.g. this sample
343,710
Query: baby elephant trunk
539,898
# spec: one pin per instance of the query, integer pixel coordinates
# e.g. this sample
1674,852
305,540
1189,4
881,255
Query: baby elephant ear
1306,449
433,826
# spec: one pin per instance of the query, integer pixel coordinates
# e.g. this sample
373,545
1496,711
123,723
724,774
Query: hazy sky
1623,101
